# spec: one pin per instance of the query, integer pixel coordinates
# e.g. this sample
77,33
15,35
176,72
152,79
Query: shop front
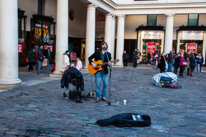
191,41
43,33
22,46
150,39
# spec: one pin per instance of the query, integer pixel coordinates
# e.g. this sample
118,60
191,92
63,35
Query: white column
120,39
113,36
169,33
108,31
90,32
204,46
9,42
62,33
178,41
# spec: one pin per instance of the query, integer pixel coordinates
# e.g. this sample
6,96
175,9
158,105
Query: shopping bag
44,63
138,61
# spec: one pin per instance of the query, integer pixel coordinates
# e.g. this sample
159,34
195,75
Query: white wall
77,27
51,8
131,23
30,8
202,19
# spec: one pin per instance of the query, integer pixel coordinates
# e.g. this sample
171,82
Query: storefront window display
191,41
43,33
150,41
22,47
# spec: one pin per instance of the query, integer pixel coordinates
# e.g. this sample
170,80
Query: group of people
66,61
136,58
39,54
187,61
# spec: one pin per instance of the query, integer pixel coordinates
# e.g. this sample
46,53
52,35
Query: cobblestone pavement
41,110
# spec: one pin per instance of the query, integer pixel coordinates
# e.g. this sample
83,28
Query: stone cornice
161,6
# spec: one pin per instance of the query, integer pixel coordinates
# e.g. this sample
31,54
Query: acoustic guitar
99,65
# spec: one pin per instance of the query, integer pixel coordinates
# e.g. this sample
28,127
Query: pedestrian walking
188,64
148,57
125,58
31,58
182,64
173,57
135,56
66,60
192,64
162,63
176,64
49,55
199,60
79,64
138,58
154,58
170,64
40,57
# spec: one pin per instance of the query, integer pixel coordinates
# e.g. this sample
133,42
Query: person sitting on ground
79,64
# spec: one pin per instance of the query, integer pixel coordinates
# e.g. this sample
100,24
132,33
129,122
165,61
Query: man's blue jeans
169,67
39,66
100,75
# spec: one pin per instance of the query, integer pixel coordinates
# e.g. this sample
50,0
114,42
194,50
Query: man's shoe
97,100
104,99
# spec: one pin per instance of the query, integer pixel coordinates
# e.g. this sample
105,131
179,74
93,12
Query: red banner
73,56
49,47
20,48
152,47
191,47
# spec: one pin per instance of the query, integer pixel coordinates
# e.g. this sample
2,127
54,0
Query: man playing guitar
105,57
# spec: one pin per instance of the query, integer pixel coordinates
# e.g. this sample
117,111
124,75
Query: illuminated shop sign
192,35
151,35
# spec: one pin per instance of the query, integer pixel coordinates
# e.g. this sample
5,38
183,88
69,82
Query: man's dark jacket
192,61
169,58
70,73
97,56
125,56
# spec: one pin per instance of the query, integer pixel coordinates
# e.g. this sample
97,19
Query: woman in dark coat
162,64
176,64
192,64
148,57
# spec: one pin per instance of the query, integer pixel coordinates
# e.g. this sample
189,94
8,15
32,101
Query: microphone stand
110,76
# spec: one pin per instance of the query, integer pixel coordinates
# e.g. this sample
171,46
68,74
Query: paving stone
42,108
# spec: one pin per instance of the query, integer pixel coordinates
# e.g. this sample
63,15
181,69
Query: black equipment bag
166,80
125,120
74,94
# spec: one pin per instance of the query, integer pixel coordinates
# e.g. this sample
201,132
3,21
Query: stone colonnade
9,37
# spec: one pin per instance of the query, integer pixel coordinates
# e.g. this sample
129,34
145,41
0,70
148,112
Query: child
79,64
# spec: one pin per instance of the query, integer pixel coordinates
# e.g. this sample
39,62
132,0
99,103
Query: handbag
166,65
44,63
184,63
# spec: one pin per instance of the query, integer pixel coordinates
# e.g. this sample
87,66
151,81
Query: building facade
81,25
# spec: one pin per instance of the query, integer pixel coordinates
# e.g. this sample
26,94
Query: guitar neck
104,64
